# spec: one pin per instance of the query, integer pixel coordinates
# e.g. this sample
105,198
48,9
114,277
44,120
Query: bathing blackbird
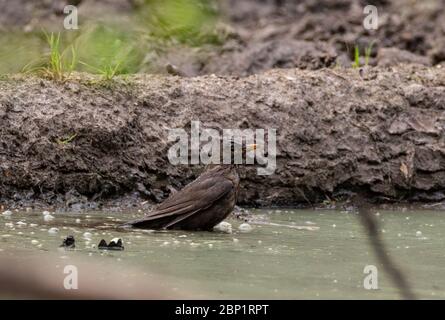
200,205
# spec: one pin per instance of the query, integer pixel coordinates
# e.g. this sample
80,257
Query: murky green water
274,260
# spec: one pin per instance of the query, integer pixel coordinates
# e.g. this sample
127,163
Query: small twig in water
371,225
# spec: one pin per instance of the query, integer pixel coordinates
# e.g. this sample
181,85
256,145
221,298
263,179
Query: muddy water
325,258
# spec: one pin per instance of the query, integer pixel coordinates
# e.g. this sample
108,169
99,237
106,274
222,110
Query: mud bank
81,144
258,35
266,34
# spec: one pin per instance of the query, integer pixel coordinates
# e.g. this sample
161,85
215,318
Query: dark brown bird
200,205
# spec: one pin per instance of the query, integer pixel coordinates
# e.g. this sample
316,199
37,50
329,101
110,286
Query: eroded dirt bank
258,35
81,144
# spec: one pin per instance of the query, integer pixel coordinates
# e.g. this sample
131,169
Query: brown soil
266,34
315,34
379,132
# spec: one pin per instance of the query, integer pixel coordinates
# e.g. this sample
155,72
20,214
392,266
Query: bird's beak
251,147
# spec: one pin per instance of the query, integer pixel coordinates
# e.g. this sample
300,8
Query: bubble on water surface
21,224
224,227
87,235
48,218
7,213
245,227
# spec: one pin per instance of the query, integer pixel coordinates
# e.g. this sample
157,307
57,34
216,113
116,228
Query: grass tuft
67,140
356,63
368,51
59,67
55,65
107,72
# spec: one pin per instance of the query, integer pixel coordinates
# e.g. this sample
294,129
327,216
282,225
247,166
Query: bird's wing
196,196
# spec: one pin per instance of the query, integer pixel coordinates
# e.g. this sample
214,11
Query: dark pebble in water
115,244
68,242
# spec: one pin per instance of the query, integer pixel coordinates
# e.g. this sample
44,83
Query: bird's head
241,153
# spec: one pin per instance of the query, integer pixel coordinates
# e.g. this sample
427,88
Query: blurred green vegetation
98,49
18,49
110,49
186,21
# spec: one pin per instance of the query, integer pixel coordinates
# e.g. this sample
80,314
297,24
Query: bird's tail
147,223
